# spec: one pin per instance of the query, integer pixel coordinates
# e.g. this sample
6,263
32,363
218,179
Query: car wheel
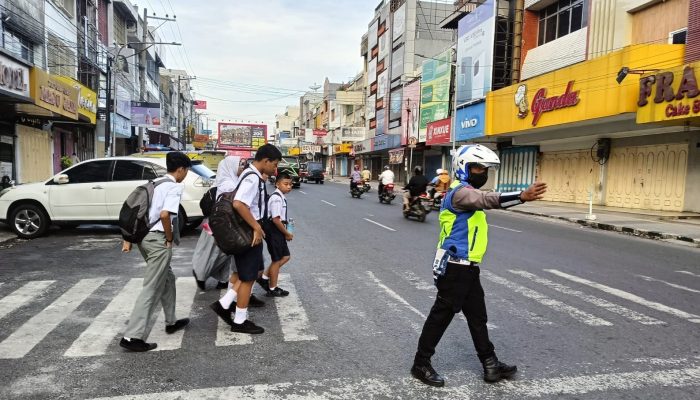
29,221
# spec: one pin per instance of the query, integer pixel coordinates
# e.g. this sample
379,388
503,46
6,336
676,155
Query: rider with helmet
417,185
461,247
386,177
355,177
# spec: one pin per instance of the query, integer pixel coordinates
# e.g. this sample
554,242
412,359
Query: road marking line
410,388
224,336
378,224
302,192
23,340
689,273
557,305
629,296
293,320
186,289
526,315
330,204
111,322
394,294
21,296
673,285
507,229
612,307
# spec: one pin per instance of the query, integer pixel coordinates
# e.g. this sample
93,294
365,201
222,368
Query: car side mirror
61,179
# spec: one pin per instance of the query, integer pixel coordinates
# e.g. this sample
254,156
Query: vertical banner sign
410,111
475,42
435,91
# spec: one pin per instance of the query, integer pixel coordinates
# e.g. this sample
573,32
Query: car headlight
203,182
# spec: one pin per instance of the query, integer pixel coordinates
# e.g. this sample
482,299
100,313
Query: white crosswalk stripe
629,296
689,273
23,340
612,307
186,289
557,305
293,318
21,296
673,285
108,324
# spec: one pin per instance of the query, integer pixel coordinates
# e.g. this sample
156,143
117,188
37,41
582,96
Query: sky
254,57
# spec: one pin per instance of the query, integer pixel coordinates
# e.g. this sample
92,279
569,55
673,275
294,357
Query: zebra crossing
101,335
559,297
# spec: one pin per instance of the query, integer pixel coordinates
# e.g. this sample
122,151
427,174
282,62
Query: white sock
265,277
273,288
228,298
241,315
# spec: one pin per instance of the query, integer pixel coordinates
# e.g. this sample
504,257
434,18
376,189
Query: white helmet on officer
470,155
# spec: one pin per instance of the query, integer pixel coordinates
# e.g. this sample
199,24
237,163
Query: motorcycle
357,190
387,194
366,187
419,207
436,204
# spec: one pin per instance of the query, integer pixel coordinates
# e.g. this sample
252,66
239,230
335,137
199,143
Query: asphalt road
585,314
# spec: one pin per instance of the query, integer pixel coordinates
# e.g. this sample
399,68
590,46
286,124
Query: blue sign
470,122
206,131
120,126
383,142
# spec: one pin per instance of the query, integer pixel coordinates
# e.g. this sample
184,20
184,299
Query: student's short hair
283,175
268,151
176,159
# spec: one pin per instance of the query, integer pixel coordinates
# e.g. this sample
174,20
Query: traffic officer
462,244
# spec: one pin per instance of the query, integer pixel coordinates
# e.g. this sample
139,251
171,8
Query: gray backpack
134,221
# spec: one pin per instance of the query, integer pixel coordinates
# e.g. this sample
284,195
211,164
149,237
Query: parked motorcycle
419,207
357,190
387,195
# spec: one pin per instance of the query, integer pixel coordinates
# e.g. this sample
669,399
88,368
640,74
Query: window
560,19
127,170
67,5
94,171
19,45
678,37
61,57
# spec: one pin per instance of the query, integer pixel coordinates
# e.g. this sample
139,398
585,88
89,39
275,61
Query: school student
157,250
249,204
277,236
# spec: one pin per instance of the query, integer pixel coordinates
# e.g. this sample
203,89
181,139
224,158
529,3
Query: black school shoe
137,345
427,374
223,313
277,292
200,284
222,285
247,327
264,283
255,302
179,324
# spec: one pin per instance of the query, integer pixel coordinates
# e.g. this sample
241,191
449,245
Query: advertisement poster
399,25
384,46
145,114
439,132
123,99
234,135
395,105
475,42
410,112
434,91
372,71
380,123
382,84
371,107
396,156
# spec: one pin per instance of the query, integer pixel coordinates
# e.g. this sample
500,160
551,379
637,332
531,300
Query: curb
616,228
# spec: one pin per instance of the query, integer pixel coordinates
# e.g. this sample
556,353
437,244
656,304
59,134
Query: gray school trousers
158,287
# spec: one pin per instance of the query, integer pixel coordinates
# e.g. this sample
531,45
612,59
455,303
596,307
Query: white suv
93,192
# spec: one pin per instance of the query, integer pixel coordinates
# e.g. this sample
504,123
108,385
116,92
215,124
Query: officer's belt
466,263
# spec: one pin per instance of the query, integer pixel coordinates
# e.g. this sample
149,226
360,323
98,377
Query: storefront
340,160
361,154
14,89
583,138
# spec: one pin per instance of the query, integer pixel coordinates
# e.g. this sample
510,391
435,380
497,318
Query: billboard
241,136
371,106
434,91
382,84
372,35
470,122
410,111
397,63
384,46
372,71
399,25
380,122
200,104
145,114
475,42
395,105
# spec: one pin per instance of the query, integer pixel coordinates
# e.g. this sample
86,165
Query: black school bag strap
246,173
156,182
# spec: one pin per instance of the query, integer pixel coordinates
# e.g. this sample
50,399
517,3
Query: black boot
495,370
426,374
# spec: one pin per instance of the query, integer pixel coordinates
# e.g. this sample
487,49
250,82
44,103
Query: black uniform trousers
458,290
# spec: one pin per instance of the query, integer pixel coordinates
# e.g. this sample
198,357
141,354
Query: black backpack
232,234
134,221
206,204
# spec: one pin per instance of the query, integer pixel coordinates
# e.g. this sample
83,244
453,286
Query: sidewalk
683,226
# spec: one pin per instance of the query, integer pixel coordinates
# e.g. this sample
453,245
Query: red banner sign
439,132
200,105
320,132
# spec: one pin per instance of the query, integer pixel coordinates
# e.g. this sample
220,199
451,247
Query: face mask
478,180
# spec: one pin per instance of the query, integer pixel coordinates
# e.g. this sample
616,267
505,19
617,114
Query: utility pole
179,95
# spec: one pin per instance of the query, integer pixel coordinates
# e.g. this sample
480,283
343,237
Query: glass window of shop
560,19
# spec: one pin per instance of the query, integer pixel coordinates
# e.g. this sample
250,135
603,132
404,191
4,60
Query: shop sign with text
14,77
54,94
669,95
344,148
382,142
439,132
87,100
541,103
364,146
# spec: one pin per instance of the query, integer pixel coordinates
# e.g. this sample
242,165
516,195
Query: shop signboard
364,146
241,136
471,122
121,126
384,142
670,95
439,132
310,148
123,100
435,91
475,43
144,114
14,78
87,100
53,94
396,156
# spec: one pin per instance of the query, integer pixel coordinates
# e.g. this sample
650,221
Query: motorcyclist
355,178
441,182
461,247
415,187
386,177
366,174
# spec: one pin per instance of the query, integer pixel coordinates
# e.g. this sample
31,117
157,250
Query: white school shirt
387,177
251,190
277,206
166,197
